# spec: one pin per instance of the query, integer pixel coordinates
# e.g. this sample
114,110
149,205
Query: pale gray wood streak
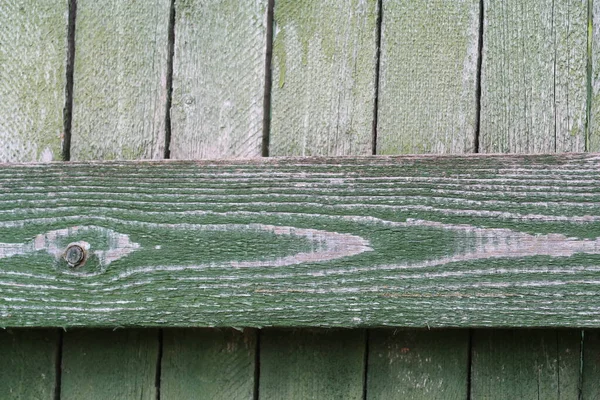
428,71
32,79
120,79
594,49
534,76
218,78
324,59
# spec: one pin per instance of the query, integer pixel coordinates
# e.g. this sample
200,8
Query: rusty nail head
74,255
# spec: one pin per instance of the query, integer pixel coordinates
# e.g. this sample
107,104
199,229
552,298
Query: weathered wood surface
534,76
32,79
109,364
312,364
593,133
120,80
218,78
418,364
590,384
428,77
407,241
526,364
209,363
324,68
29,363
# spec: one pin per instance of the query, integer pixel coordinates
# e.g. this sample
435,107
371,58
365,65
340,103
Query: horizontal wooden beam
468,241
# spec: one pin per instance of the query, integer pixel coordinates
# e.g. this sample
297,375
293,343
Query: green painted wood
29,361
323,91
418,364
403,241
590,384
428,77
208,363
109,364
32,79
534,75
218,78
312,364
120,80
526,364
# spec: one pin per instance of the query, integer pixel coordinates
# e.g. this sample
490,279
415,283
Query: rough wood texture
218,78
29,360
409,241
120,79
418,364
32,79
107,364
324,62
219,364
534,76
590,384
312,364
526,364
593,139
427,85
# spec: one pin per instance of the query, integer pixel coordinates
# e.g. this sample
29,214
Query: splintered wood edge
415,241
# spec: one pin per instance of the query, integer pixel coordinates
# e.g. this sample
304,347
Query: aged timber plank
312,364
428,71
29,363
120,80
418,364
213,362
534,76
324,62
593,138
526,364
410,241
33,56
109,364
218,78
590,385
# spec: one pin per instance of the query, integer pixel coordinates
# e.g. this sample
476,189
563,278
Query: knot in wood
75,254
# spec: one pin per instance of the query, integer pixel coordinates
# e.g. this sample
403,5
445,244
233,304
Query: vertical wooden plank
590,388
428,76
312,364
534,76
323,91
218,78
593,139
526,364
418,364
29,360
33,56
218,364
109,364
120,79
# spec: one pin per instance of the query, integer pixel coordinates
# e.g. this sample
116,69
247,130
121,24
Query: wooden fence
84,80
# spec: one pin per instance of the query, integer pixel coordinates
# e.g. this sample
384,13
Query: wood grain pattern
534,76
29,360
312,364
590,384
498,240
427,85
109,364
323,93
593,139
32,79
216,363
526,364
218,78
120,80
418,364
